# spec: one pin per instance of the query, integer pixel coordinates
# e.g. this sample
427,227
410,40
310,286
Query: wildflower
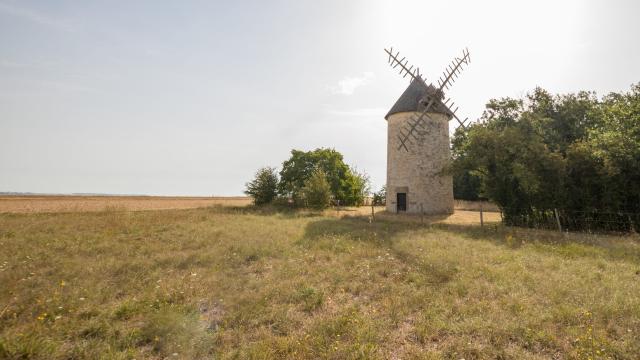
62,283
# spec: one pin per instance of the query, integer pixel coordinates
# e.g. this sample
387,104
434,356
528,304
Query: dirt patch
459,217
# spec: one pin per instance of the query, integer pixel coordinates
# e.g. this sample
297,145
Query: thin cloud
368,112
12,64
34,17
349,84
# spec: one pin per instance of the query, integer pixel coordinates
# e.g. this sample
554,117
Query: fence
594,221
573,220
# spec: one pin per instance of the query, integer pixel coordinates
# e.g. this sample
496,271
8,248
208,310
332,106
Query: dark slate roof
409,101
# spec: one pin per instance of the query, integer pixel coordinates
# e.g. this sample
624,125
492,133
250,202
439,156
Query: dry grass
476,205
226,282
32,204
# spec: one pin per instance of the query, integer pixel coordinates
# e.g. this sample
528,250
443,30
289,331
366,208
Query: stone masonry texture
420,171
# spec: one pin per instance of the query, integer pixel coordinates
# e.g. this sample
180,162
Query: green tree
586,179
574,152
467,186
561,120
356,188
264,187
518,171
615,144
317,191
347,186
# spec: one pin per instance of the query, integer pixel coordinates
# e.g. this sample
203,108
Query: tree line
314,179
569,153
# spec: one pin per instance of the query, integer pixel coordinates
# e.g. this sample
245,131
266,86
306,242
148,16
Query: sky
192,97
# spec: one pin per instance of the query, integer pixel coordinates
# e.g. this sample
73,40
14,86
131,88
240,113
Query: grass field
231,282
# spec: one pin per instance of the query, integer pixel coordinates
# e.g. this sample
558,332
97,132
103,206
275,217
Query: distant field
229,282
29,204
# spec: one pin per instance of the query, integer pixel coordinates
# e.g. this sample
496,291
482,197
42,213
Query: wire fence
594,221
573,220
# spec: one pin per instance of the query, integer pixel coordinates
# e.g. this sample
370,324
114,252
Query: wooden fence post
373,214
555,211
481,217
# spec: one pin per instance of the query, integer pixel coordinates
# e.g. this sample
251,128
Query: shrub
263,188
380,197
317,191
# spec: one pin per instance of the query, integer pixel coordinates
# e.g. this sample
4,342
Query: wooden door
401,200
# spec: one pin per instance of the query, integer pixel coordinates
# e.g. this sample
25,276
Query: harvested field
35,204
466,211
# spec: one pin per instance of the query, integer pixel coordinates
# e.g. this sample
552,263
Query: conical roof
409,101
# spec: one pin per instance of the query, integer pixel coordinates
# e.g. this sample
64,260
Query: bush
264,187
317,191
358,188
380,197
346,184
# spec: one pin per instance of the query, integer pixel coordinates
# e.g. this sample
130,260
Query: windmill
418,140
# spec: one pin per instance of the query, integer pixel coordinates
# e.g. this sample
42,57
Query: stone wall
419,172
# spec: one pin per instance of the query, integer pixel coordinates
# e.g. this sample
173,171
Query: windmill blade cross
414,122
415,127
408,133
402,144
446,104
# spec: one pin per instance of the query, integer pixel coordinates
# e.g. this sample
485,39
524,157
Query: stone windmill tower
418,141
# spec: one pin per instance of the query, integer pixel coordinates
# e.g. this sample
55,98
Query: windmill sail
450,74
395,61
416,125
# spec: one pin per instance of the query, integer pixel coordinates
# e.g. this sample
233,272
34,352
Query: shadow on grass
359,228
385,227
569,245
383,231
264,210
